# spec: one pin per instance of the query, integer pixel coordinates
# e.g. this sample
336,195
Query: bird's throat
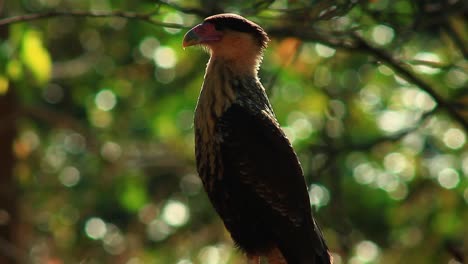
217,94
242,62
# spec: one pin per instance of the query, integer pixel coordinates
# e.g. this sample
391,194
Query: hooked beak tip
191,38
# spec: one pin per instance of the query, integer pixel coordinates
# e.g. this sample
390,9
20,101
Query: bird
247,165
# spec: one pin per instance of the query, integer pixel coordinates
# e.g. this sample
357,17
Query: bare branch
146,17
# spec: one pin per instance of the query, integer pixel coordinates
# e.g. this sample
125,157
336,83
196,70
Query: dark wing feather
260,161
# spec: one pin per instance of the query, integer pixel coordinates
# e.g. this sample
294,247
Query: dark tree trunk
8,190
8,214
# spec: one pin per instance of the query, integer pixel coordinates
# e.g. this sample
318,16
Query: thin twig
432,64
457,40
146,17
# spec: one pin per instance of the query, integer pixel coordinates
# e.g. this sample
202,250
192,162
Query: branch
403,71
457,40
354,42
146,17
433,64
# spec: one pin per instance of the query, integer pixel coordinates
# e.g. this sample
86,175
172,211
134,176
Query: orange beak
201,34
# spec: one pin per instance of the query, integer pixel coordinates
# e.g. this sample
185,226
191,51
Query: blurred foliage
104,148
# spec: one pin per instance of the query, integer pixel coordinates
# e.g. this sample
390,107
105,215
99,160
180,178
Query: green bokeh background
104,167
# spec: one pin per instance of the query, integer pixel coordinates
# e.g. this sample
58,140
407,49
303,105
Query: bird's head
230,38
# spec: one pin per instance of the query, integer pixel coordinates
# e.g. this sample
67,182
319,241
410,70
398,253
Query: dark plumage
248,166
238,23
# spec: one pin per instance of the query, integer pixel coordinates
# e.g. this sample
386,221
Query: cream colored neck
216,96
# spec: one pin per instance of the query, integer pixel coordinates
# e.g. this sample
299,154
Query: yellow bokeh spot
14,69
3,85
36,57
165,127
101,119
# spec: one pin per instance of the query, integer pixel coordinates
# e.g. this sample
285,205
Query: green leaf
3,85
133,194
14,69
36,57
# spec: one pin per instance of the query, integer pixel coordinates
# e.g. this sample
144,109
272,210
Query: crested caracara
248,166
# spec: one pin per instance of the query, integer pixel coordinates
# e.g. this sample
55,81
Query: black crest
239,23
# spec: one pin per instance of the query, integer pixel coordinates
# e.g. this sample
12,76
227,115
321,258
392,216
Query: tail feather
311,249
